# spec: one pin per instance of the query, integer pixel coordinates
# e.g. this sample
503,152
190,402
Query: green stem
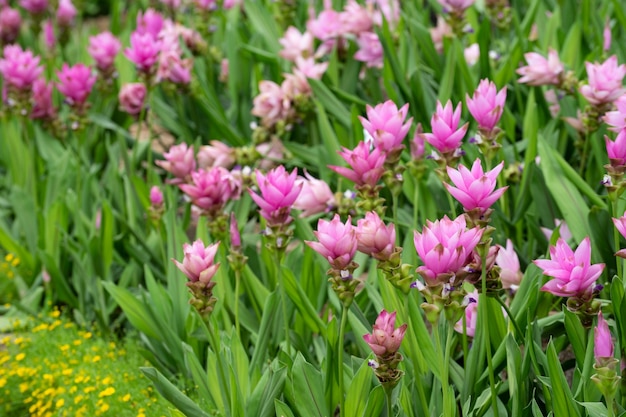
215,344
443,366
448,355
342,332
237,279
487,340
389,394
451,202
418,376
464,338
609,405
518,329
283,302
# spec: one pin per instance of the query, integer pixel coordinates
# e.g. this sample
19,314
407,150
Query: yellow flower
107,392
88,390
78,399
3,382
20,356
55,313
64,347
60,403
9,257
87,335
96,359
126,398
107,381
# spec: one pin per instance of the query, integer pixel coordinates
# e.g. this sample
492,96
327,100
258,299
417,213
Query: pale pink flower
553,101
315,197
271,153
156,196
235,236
375,238
617,119
487,104
336,242
356,19
210,190
444,247
606,36
602,339
541,71
620,225
296,44
10,23
475,189
385,123
173,68
439,32
471,315
390,9
224,70
179,161
103,48
510,273
472,54
199,261
278,192
616,150
366,165
75,83
561,226
270,105
455,5
605,82
572,272
385,339
294,86
144,51
132,98
149,22
418,144
49,37
327,25
370,50
308,68
34,6
446,136
66,13
217,154
42,100
19,68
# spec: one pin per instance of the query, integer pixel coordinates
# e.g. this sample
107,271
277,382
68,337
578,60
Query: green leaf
375,403
137,313
269,388
302,302
358,390
331,103
282,409
308,388
576,335
563,403
595,409
172,394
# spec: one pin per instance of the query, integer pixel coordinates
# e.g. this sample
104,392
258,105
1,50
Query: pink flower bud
487,104
296,44
561,226
10,23
75,83
375,238
34,6
49,37
179,160
507,260
606,35
66,13
370,50
103,48
156,196
471,315
617,119
366,166
620,225
616,150
218,154
132,98
605,82
475,189
455,5
385,339
211,190
270,105
385,123
198,263
472,54
278,192
602,340
144,51
541,71
235,236
19,68
315,197
336,242
42,100
150,22
446,136
173,68
356,19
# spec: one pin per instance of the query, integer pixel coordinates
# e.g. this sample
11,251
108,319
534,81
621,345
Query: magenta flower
444,247
385,123
602,340
507,260
336,242
617,119
217,154
471,315
66,13
132,98
144,51
179,161
296,44
156,196
103,48
446,136
278,193
616,150
42,100
375,238
370,50
198,263
385,339
10,23
49,37
541,71
34,6
475,189
367,166
173,68
19,68
235,236
605,82
620,224
572,272
315,197
487,104
150,22
75,83
210,190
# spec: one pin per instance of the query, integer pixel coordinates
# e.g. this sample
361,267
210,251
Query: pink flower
235,236
617,119
149,22
541,71
144,51
132,98
572,272
356,19
172,4
34,6
10,23
336,242
315,197
620,224
229,4
174,69
385,339
19,68
455,5
390,9
210,190
218,154
370,50
42,100
198,263
75,83
270,105
278,193
206,4
156,196
444,247
103,48
507,260
472,54
475,189
606,35
602,340
296,44
49,37
375,238
179,161
471,316
439,32
446,136
367,166
418,144
327,25
308,68
271,152
616,150
487,104
605,82
66,13
385,123
564,231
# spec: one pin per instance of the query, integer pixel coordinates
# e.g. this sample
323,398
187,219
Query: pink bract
336,242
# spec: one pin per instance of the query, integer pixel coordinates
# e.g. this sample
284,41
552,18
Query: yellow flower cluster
58,370
10,262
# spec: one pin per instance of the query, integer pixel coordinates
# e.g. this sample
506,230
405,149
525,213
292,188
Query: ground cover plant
353,208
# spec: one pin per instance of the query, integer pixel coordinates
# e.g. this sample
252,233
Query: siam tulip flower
327,27
375,238
418,144
19,68
617,119
315,197
174,69
199,262
486,105
75,83
366,166
235,236
156,196
572,272
270,105
336,242
35,6
294,87
472,54
475,189
271,153
444,247
309,69
10,23
370,50
296,44
179,161
471,315
456,6
49,36
103,48
439,32
446,136
217,154
385,123
602,340
542,71
356,19
620,224
616,150
132,98
149,22
144,51
606,36
210,190
385,339
42,100
605,82
278,193
66,13
559,224
510,273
